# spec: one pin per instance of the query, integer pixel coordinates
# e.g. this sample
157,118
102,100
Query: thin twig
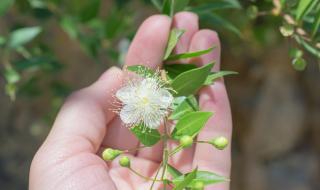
145,177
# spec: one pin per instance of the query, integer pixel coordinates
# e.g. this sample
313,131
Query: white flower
144,102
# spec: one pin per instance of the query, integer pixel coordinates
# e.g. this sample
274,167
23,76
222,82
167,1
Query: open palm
70,156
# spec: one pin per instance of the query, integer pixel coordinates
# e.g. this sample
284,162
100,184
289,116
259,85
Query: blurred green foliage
106,28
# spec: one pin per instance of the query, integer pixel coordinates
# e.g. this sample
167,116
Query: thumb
81,123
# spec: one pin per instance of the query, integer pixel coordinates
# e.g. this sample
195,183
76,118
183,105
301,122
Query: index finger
214,99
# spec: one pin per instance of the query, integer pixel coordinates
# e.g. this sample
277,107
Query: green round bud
110,154
295,53
124,162
186,141
252,11
299,64
287,30
198,185
219,142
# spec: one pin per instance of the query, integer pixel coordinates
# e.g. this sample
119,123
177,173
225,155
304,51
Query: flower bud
252,12
199,185
299,64
186,141
124,162
295,53
287,30
110,154
219,142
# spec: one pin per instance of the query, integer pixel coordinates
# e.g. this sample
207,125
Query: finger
214,99
77,134
83,118
124,178
188,22
119,137
147,48
149,44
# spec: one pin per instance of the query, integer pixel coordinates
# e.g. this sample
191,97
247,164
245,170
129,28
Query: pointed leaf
217,5
186,180
189,54
202,176
173,171
307,46
5,5
217,20
2,40
191,124
90,10
191,81
157,4
180,5
146,136
22,36
168,7
304,7
316,24
173,70
174,37
11,75
188,105
214,76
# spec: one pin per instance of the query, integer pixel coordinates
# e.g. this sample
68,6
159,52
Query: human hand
70,156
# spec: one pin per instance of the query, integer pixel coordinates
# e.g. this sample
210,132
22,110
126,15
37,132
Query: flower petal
124,94
165,98
130,115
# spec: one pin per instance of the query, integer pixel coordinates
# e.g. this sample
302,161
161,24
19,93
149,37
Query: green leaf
214,76
304,7
177,101
69,25
307,46
316,24
5,5
168,7
218,21
46,63
191,124
11,75
180,5
173,70
90,10
22,36
189,54
11,89
141,70
2,40
191,81
186,180
157,4
202,176
188,105
173,171
174,37
147,136
216,5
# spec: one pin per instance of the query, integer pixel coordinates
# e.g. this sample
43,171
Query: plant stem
134,149
174,151
155,177
165,153
201,142
144,177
